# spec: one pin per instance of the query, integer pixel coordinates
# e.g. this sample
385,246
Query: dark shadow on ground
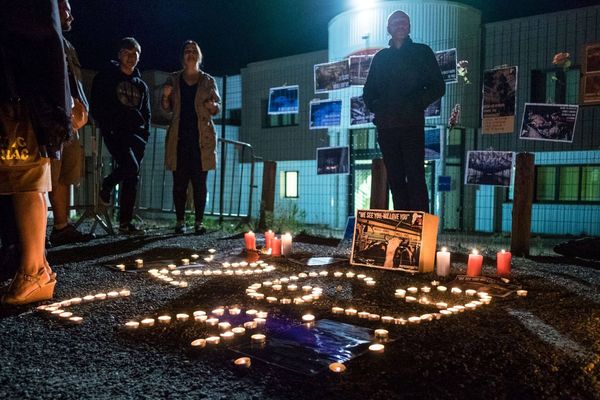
566,260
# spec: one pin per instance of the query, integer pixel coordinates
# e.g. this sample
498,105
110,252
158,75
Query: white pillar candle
195,256
286,244
443,262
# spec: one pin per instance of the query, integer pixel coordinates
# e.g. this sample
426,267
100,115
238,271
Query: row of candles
275,246
474,264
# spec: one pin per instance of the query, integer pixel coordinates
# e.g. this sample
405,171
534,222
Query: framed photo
591,89
359,69
283,100
591,61
499,100
394,240
331,76
447,61
325,114
433,143
550,122
359,114
489,168
333,160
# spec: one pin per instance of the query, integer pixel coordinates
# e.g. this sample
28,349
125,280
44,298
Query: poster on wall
333,160
552,122
433,141
489,168
394,240
359,114
332,76
325,114
283,100
499,100
434,109
447,62
359,69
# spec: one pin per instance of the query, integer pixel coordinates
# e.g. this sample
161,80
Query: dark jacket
32,69
120,103
401,83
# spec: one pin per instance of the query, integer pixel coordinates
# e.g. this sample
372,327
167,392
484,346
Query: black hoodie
120,103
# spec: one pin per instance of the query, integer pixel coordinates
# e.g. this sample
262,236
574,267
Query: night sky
233,33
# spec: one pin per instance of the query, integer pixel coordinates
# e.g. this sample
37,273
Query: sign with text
499,100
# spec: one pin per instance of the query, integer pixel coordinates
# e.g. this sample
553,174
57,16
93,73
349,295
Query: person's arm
434,86
146,109
213,104
371,89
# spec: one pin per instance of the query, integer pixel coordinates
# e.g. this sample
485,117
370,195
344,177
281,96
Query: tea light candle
381,333
363,314
65,314
308,318
132,325
425,289
460,308
213,340
308,298
200,318
307,288
470,306
399,321
414,320
271,299
124,293
292,288
377,348
65,303
182,317
470,292
250,240
212,321
486,300
298,300
100,296
121,267
198,343
112,295
185,261
212,251
474,263
400,293
435,283
337,310
443,262
195,256
285,301
338,274
76,320
276,247
350,274
260,321
238,330
164,319
227,335
412,290
338,368
455,290
183,284
410,299
350,312
250,325
323,273
139,263
426,317
503,259
441,288
387,319
218,311
262,314
171,266
243,362
441,305
148,322
374,317
521,293
370,283
258,338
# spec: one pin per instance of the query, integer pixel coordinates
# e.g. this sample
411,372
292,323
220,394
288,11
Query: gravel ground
546,345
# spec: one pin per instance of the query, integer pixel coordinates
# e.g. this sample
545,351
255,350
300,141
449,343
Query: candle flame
503,251
475,252
444,249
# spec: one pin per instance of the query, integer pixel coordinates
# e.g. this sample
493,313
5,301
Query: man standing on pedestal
403,80
121,106
67,170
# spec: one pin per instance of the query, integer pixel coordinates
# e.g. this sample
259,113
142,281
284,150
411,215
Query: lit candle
338,368
308,318
374,317
272,299
262,314
399,321
381,333
363,314
307,288
377,348
112,295
350,311
250,325
100,296
400,293
213,340
250,240
132,325
338,274
470,292
89,297
410,299
243,362
285,301
425,289
443,262
182,317
276,247
124,293
212,321
121,267
412,290
442,288
238,330
147,322
260,321
171,266
164,319
139,263
371,283
522,293
286,244
337,310
414,320
185,261
218,311
456,290
227,335
212,251
65,314
387,319
198,343
474,263
76,320
269,235
258,338
503,259
195,256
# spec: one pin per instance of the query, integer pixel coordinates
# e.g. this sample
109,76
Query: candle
218,311
442,288
243,362
503,259
164,319
139,263
262,314
65,314
376,348
410,299
250,325
456,290
337,274
387,319
337,310
196,256
276,247
400,293
522,293
76,320
121,267
470,292
285,301
269,235
363,314
445,312
381,333
350,311
238,330
100,296
371,283
182,317
198,343
338,368
227,335
185,261
147,322
132,325
272,299
412,290
399,321
374,317
425,289
414,320
258,338
286,244
260,321
308,318
112,295
474,263
213,340
212,251
443,262
171,266
250,240
212,321
124,293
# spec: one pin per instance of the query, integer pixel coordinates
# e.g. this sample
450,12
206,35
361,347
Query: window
568,183
275,121
290,184
555,86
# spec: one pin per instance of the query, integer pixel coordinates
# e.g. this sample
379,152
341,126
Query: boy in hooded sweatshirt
121,107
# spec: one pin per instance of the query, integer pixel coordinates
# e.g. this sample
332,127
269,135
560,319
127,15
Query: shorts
34,178
68,170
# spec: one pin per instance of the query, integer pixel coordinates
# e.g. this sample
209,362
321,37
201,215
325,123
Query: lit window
291,183
569,184
545,183
590,183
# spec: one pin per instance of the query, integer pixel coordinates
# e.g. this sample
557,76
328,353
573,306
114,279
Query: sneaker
130,229
104,196
68,234
199,229
180,227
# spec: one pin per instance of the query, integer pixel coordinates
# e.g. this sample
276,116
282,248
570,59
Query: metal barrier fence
231,187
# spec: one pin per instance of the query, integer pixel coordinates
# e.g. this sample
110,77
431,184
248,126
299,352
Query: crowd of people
41,110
